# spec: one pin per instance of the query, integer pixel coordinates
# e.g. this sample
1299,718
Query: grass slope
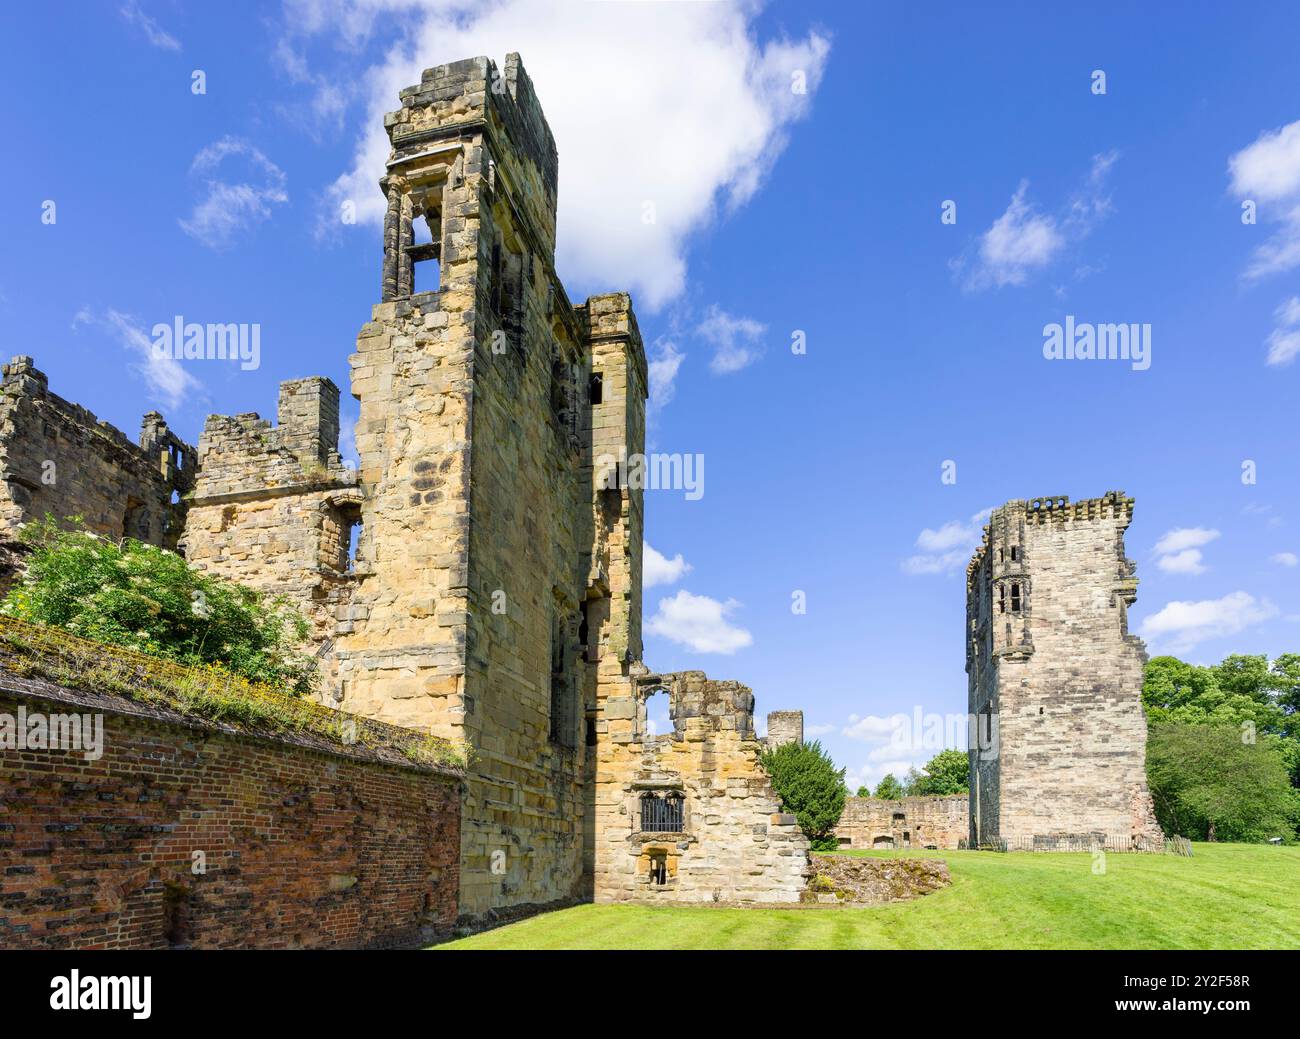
1226,897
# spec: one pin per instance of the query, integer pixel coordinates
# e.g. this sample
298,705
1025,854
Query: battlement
1054,509
246,455
450,99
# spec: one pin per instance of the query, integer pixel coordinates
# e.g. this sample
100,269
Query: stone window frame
665,788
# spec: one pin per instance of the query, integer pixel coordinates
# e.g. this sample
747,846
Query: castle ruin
479,576
1055,679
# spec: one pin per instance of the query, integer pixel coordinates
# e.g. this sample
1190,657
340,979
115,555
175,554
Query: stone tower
1055,679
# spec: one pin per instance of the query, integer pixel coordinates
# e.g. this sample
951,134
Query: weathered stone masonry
1055,676
57,458
910,822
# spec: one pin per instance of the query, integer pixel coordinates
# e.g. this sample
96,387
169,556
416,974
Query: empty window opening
1002,599
1014,553
662,813
591,730
425,252
596,388
900,817
1002,555
354,540
584,631
1015,598
655,717
659,868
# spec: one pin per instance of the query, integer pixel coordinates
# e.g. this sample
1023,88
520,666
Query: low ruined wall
306,845
912,822
735,845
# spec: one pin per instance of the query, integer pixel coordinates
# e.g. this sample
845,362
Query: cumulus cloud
163,375
663,365
227,209
659,569
1284,340
899,742
664,115
1180,626
153,32
1286,559
1024,240
949,548
699,623
736,341
1267,172
1179,550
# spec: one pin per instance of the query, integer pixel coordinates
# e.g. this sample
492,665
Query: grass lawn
1228,896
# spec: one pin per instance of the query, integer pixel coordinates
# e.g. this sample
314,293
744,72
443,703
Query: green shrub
149,600
811,787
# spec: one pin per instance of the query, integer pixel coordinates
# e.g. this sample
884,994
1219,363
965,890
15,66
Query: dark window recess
659,869
591,732
1015,598
596,388
661,813
1002,599
1015,553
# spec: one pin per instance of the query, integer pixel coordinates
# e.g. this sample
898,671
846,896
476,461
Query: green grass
1228,896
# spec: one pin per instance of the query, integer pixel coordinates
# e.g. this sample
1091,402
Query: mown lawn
1228,896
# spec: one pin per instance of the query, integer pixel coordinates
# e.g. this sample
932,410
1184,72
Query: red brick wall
305,847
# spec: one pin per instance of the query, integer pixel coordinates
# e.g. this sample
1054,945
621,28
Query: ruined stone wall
302,846
1051,663
733,843
783,727
273,505
58,458
910,822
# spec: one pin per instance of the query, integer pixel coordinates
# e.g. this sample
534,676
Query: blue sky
776,211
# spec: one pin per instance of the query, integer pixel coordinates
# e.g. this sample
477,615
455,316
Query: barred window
661,813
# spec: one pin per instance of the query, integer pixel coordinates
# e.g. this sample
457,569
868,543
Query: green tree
889,788
1210,783
948,772
149,600
863,791
810,786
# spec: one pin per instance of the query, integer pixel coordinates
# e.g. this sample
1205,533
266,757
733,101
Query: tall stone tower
473,565
1055,679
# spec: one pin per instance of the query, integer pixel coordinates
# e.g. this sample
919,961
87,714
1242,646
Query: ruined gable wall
1066,683
735,845
58,458
910,822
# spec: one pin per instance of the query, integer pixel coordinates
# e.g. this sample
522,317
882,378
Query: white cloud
699,623
659,569
813,731
684,106
1286,559
736,341
1284,341
894,748
1183,625
1179,550
153,32
1181,538
1188,561
949,548
1267,172
228,209
164,375
1269,168
1023,240
664,363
